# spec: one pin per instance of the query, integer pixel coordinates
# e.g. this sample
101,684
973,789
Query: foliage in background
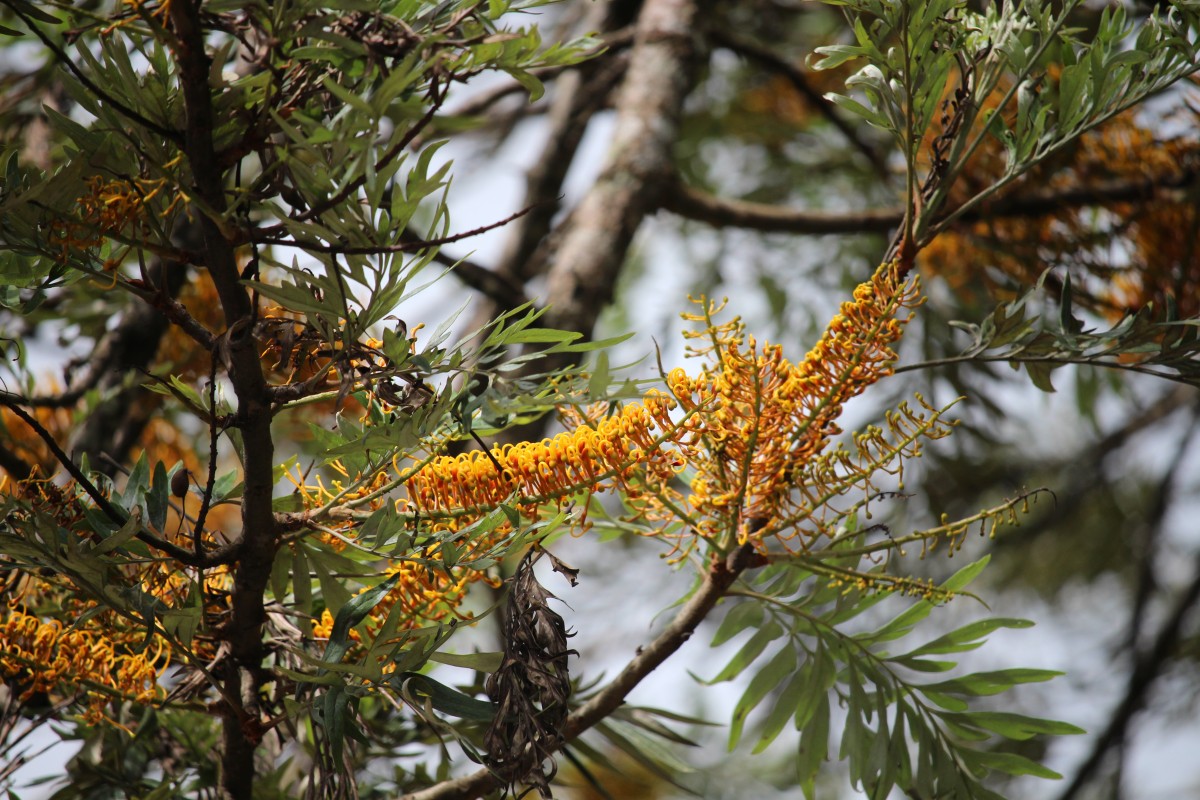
247,541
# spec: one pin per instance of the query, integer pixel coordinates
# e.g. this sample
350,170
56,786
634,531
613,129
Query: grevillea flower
423,594
46,656
751,421
759,419
605,447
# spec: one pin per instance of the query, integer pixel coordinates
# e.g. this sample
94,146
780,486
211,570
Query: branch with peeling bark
592,243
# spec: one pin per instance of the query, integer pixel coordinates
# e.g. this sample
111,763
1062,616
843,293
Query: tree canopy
292,480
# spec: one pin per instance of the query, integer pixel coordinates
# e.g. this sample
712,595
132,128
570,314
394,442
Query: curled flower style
46,656
762,418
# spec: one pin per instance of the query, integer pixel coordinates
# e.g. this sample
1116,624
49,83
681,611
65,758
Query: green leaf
782,664
445,699
980,684
814,745
900,625
157,497
1008,763
750,651
281,573
965,576
529,82
354,611
835,55
1017,727
539,336
129,530
301,580
483,662
648,751
966,638
135,484
745,614
822,675
858,109
795,692
30,10
1039,373
598,382
333,591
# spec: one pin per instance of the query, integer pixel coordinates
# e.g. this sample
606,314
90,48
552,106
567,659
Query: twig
799,81
720,212
488,282
376,249
1017,358
693,203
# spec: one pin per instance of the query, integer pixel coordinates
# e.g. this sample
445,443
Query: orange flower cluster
625,449
424,593
107,209
64,660
1135,249
761,419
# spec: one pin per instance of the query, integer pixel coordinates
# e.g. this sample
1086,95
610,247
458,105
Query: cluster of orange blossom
750,427
604,448
108,208
1154,261
424,590
746,427
761,419
88,661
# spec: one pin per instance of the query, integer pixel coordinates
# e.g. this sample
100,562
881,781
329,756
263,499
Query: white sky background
622,591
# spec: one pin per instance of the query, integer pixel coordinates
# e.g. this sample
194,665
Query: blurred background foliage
1110,567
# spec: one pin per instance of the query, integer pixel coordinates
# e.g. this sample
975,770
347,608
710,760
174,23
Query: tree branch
720,577
693,203
259,537
580,94
595,238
